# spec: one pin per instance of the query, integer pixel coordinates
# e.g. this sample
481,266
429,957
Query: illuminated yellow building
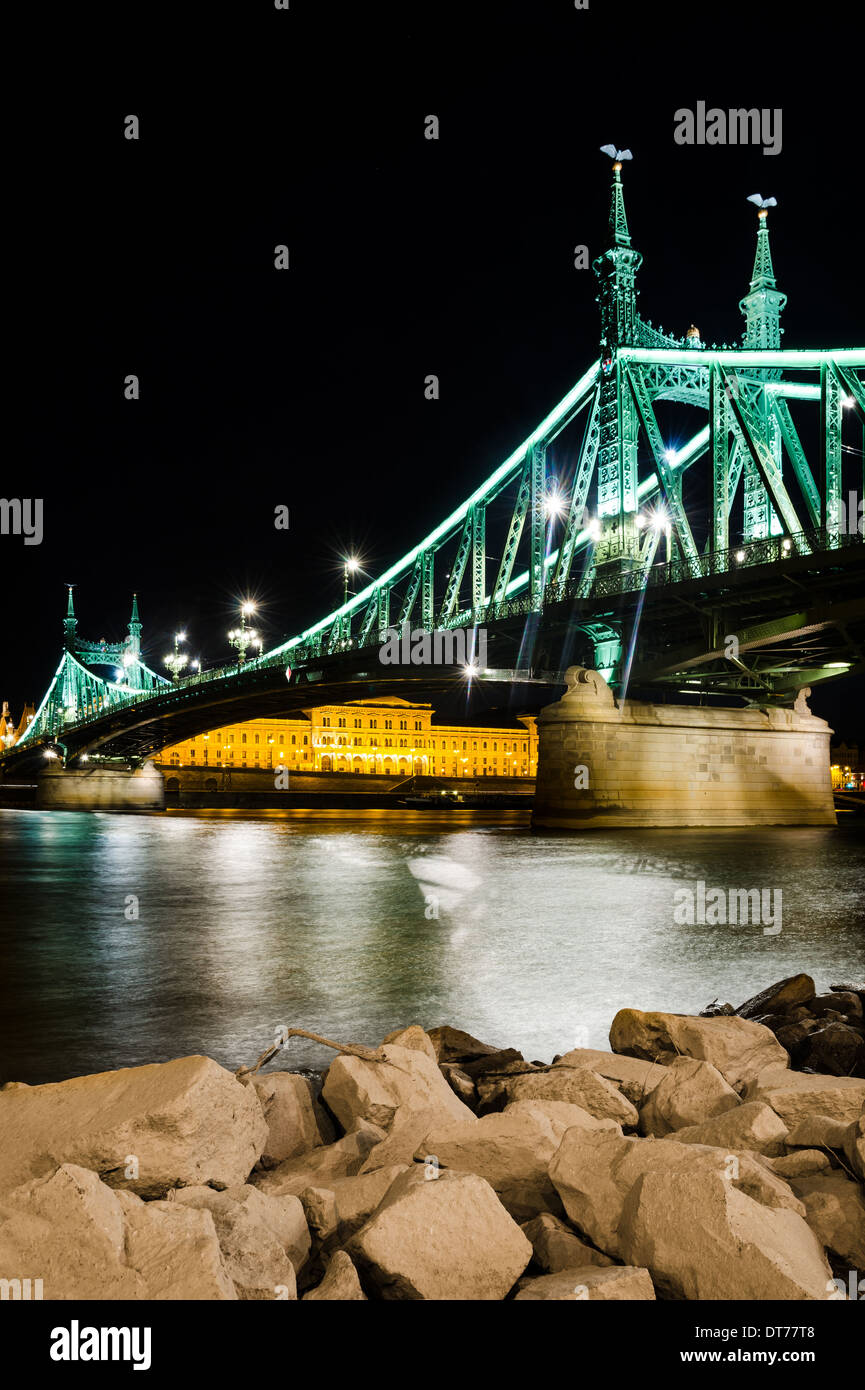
389,736
847,770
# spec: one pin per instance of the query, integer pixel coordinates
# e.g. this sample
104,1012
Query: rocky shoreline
718,1155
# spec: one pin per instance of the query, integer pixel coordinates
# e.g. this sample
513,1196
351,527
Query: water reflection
351,926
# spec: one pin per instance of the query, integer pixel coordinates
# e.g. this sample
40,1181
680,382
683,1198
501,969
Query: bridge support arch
101,788
604,763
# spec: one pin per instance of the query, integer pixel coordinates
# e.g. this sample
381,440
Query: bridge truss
601,508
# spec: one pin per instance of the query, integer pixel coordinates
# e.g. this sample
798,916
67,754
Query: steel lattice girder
752,438
669,481
692,372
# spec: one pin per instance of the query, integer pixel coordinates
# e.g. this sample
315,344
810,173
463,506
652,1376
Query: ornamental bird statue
762,202
616,154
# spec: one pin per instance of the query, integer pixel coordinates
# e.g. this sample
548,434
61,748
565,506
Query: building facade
389,736
848,771
9,732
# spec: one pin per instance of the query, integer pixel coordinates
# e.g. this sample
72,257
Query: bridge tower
70,623
616,270
762,307
132,654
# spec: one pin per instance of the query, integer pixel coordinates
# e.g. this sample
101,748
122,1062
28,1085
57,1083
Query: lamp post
176,660
242,637
350,566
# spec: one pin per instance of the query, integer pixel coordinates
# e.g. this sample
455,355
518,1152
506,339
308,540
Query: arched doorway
326,763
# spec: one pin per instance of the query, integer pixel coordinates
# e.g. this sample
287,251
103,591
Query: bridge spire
132,654
616,268
134,621
763,303
70,622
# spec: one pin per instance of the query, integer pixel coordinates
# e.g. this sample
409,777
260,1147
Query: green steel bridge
728,565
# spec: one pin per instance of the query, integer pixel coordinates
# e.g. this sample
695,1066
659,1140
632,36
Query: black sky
408,257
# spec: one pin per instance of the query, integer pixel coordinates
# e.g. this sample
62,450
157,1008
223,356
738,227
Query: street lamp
350,566
242,637
176,660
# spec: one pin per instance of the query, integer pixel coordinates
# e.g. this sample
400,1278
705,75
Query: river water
133,939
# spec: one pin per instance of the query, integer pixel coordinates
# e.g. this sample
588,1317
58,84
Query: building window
388,723
357,723
282,738
243,738
403,724
256,739
306,738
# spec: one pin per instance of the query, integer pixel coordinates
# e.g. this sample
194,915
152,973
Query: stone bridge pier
603,763
101,788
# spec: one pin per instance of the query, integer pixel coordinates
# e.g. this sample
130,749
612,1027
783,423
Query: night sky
408,257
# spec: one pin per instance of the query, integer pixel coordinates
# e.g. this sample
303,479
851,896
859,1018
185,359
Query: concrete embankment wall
601,764
202,788
100,789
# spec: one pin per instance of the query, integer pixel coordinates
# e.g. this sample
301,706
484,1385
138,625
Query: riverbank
689,1161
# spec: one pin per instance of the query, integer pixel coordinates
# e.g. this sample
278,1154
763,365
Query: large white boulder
835,1211
511,1149
144,1129
794,1095
86,1241
818,1131
688,1094
635,1077
738,1048
356,1089
753,1126
294,1123
318,1166
447,1238
594,1173
701,1237
572,1086
556,1246
340,1283
264,1240
342,1206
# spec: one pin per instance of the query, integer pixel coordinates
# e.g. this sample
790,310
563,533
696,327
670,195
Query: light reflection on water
327,921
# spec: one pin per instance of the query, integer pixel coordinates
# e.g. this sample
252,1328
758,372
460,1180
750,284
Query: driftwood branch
368,1054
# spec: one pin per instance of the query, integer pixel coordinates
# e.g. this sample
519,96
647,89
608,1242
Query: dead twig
368,1054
